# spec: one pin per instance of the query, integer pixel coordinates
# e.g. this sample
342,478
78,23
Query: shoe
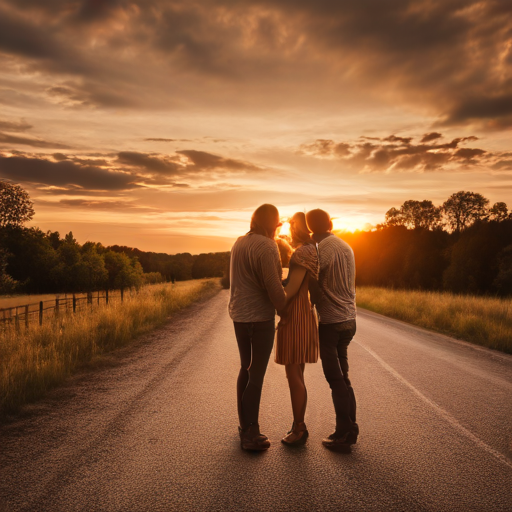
296,437
252,440
262,436
337,441
347,436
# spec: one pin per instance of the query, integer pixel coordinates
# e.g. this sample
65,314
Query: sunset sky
163,124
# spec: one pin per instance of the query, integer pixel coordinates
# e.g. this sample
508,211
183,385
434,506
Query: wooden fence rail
25,314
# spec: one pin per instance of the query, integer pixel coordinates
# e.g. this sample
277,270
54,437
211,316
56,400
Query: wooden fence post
17,321
57,304
41,313
74,303
26,317
122,294
106,296
98,297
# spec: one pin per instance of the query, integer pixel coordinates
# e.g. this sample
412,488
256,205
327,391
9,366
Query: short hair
318,221
264,220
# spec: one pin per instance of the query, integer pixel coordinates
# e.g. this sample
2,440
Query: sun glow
348,224
284,230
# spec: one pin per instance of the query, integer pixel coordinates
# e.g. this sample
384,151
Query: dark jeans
334,341
255,341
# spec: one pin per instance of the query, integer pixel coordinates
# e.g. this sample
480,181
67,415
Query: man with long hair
256,293
335,300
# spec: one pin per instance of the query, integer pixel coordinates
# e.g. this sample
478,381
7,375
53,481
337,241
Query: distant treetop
15,205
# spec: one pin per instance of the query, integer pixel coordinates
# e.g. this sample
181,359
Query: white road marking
447,416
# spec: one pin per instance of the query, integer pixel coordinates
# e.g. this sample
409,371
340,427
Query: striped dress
297,333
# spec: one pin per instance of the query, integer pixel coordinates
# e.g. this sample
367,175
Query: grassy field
33,362
482,320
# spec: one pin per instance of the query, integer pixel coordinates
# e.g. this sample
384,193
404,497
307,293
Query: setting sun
285,229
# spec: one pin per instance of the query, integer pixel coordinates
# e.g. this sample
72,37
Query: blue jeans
255,341
334,342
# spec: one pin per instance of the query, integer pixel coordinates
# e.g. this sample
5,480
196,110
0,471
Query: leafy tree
15,205
31,259
123,272
464,208
54,238
499,211
394,217
421,214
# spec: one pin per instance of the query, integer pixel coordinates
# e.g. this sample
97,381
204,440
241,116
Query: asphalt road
155,428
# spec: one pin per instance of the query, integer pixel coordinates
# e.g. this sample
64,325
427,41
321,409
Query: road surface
156,429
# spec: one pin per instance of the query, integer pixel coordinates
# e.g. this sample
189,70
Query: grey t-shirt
337,281
255,279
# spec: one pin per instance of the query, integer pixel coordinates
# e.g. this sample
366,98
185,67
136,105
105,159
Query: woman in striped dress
297,331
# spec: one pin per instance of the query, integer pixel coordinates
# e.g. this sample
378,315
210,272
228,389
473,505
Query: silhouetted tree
15,205
421,214
499,211
464,208
394,217
415,214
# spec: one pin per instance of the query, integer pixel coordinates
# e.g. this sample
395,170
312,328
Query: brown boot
251,439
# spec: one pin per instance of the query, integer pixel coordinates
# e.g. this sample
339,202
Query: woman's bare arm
295,279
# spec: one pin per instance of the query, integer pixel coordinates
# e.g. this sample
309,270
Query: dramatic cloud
63,174
452,57
396,154
121,171
183,163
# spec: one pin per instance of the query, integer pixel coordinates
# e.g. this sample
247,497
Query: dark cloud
452,56
27,141
429,137
483,107
395,138
15,126
202,160
152,163
392,154
468,153
63,174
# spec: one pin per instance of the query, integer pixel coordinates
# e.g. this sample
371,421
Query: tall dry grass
485,321
33,362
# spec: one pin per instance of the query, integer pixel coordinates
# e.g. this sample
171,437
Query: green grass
485,321
39,359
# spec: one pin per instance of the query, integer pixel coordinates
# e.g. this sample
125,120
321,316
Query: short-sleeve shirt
337,301
306,256
255,279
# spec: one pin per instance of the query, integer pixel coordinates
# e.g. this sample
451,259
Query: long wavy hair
299,231
264,220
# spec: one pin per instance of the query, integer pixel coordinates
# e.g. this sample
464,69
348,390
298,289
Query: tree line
32,261
462,246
